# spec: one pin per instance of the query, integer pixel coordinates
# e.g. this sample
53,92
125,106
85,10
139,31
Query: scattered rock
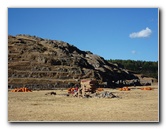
51,93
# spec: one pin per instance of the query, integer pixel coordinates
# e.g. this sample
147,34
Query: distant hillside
39,63
146,68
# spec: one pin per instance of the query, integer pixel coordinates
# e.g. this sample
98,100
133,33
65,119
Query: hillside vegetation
146,68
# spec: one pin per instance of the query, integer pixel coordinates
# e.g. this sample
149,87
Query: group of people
77,92
72,90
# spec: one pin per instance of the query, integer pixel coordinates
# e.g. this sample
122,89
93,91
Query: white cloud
141,34
133,52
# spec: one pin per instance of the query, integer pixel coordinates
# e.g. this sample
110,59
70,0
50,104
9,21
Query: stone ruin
88,89
41,64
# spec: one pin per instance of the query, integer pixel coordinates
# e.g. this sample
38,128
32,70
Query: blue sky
113,33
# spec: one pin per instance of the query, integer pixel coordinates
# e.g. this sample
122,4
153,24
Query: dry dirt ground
131,106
